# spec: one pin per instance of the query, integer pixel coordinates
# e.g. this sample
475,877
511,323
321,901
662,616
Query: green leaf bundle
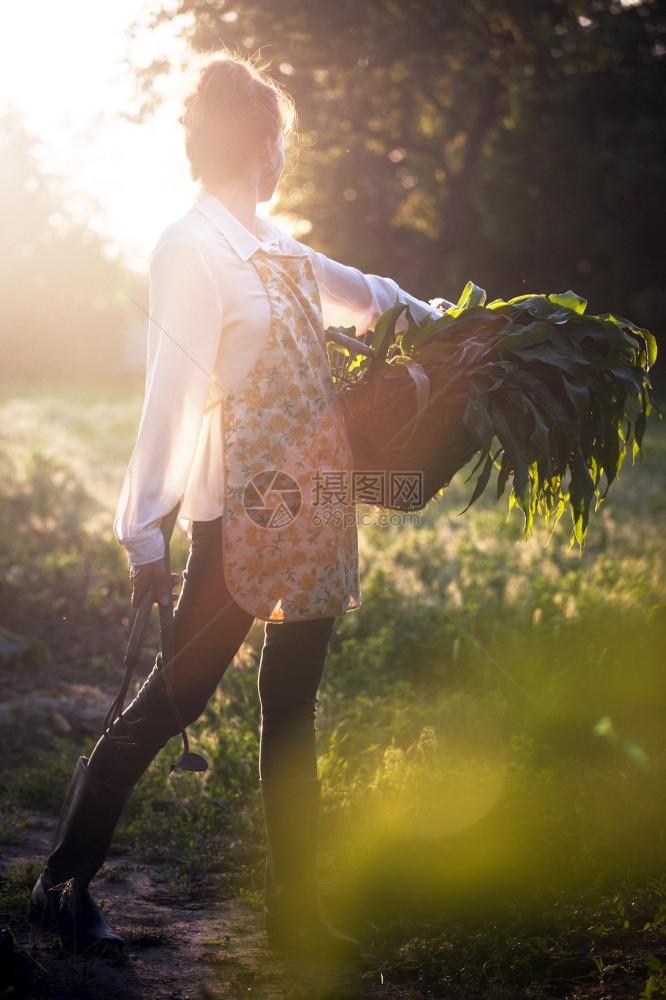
550,396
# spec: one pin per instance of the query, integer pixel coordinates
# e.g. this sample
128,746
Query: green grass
15,887
491,723
581,952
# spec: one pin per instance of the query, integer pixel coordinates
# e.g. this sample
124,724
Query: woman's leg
292,665
208,630
291,669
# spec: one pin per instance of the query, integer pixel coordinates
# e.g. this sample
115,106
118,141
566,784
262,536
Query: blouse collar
241,239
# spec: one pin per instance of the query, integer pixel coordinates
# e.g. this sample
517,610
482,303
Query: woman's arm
351,298
183,340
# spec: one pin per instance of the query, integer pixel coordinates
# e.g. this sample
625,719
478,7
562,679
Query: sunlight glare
73,91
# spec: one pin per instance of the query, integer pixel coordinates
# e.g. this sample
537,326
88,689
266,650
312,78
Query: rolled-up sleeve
184,330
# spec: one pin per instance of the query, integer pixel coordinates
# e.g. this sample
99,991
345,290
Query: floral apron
289,524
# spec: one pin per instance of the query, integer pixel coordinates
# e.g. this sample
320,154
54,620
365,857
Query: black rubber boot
61,897
293,917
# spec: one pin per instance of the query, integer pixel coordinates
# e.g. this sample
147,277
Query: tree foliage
519,143
62,310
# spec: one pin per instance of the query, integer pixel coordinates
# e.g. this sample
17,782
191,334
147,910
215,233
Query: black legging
209,628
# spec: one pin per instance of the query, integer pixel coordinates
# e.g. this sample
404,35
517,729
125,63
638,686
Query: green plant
16,648
15,886
565,394
656,984
41,782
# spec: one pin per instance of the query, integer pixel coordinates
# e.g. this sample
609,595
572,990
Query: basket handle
353,344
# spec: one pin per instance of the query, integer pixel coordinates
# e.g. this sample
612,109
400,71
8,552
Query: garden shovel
188,761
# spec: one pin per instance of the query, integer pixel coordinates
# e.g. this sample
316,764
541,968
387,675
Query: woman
239,421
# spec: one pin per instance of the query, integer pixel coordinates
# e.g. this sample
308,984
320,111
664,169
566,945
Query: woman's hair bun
232,108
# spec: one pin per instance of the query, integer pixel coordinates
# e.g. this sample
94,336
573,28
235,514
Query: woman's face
274,165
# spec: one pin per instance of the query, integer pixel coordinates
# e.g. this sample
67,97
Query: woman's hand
153,574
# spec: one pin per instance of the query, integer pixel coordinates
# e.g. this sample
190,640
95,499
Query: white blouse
209,323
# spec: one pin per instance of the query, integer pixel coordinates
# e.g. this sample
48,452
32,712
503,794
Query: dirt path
178,947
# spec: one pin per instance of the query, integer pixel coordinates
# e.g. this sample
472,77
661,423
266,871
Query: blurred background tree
63,308
519,145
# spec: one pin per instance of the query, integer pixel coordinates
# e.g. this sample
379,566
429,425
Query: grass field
491,726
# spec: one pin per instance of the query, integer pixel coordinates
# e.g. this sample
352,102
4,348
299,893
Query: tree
63,313
515,144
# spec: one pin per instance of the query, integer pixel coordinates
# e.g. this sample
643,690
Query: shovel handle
166,610
187,761
142,616
139,626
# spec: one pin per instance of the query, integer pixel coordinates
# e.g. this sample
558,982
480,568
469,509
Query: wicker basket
564,395
408,446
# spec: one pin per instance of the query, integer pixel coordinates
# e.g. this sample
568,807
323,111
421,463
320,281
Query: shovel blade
189,761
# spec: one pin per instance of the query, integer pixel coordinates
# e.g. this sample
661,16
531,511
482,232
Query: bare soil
177,946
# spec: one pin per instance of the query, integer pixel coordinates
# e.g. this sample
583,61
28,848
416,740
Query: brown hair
233,107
